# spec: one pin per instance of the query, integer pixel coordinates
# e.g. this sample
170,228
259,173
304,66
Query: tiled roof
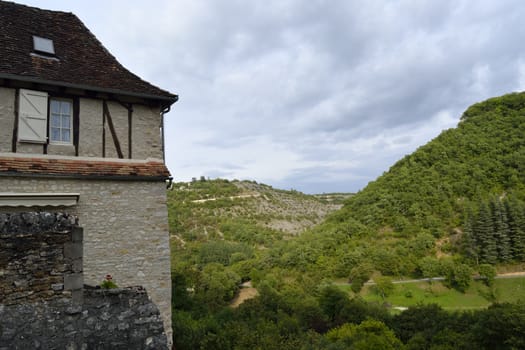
82,61
82,168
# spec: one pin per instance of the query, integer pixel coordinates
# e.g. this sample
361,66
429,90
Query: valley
455,208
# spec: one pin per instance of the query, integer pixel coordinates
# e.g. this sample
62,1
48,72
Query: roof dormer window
43,45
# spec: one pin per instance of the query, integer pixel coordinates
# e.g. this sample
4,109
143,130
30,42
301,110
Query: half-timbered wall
101,132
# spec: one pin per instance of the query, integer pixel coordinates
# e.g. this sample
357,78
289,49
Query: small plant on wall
108,283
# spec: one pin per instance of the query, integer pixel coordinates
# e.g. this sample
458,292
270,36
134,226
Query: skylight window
43,45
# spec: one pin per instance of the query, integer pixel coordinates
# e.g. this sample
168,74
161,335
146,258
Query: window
43,45
60,121
43,119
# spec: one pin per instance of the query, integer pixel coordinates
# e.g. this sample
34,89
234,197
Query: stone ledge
33,222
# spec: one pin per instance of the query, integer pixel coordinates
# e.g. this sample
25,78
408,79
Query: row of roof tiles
82,168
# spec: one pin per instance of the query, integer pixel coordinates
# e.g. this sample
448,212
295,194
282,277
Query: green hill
459,196
453,208
231,222
202,209
430,189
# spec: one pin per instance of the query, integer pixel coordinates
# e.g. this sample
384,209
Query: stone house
81,134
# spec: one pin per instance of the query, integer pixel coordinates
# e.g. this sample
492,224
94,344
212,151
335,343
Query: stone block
77,265
73,250
77,235
77,296
57,286
73,281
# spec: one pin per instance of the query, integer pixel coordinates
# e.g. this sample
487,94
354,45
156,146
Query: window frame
50,126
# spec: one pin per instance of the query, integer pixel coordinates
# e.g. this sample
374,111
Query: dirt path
253,195
245,292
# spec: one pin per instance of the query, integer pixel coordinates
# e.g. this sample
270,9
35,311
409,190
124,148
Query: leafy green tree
488,273
216,286
430,267
223,252
500,327
425,320
359,275
369,335
332,301
457,275
383,286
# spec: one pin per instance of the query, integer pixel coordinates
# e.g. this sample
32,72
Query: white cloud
317,95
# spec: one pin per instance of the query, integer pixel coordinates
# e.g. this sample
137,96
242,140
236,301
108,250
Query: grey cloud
343,88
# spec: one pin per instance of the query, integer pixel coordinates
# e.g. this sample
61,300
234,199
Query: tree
216,286
384,286
500,230
469,246
501,326
488,273
485,236
359,275
516,216
458,276
425,320
332,301
430,267
369,335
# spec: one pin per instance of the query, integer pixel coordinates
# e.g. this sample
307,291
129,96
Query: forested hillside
460,196
431,188
454,208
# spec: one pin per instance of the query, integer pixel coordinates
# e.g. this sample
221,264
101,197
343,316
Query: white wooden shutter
32,112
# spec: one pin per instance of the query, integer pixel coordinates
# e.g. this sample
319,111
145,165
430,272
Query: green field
477,296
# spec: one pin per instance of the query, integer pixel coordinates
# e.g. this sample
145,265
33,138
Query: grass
477,296
510,289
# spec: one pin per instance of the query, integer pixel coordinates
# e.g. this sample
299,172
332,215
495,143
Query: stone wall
43,302
146,138
7,118
40,257
146,132
125,231
90,128
119,116
107,319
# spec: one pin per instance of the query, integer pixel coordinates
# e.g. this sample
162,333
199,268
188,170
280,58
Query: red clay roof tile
83,168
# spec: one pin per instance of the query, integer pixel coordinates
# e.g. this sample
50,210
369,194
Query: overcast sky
318,96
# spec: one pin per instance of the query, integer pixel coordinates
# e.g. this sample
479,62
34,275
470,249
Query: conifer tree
485,236
469,246
500,230
516,216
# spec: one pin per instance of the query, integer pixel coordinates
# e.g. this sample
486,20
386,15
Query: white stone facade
125,231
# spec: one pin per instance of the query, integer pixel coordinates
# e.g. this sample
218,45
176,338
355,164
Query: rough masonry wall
7,117
40,257
116,319
125,231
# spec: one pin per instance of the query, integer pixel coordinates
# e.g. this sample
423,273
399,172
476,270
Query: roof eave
166,100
